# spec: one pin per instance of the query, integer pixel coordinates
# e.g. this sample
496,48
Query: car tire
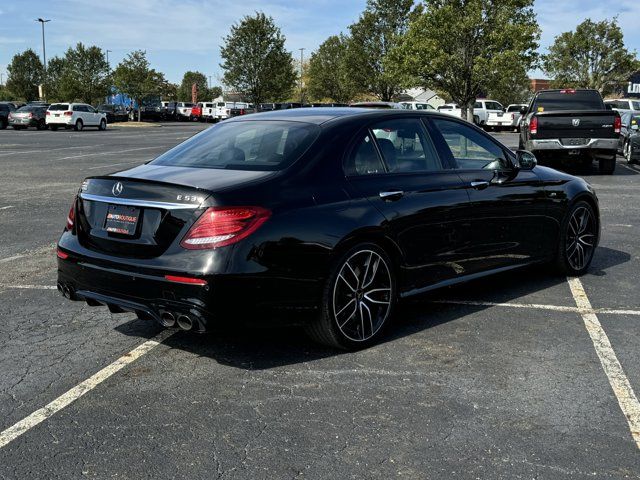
607,165
41,125
103,125
374,294
53,127
78,126
577,234
626,152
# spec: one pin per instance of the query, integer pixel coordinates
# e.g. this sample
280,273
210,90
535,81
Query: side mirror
525,160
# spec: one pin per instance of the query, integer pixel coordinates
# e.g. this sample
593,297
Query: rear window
635,105
514,108
58,106
220,104
558,101
249,145
29,109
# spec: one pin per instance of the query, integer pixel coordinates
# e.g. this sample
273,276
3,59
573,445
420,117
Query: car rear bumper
568,144
20,122
59,121
500,123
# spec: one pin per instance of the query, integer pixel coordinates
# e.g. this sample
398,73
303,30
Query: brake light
31,115
568,90
187,280
617,124
68,114
242,111
221,226
47,113
60,254
533,126
71,217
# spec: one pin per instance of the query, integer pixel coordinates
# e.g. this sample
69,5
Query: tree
329,72
25,74
465,47
516,89
55,71
134,77
255,62
378,31
594,56
85,75
189,78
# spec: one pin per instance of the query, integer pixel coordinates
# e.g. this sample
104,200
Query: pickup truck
509,119
572,126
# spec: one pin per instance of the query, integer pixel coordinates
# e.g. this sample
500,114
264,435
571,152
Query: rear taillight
71,218
10,116
220,226
242,111
185,280
533,126
60,254
47,112
31,115
68,114
617,124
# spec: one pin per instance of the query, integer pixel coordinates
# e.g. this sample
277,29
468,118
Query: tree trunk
470,110
139,110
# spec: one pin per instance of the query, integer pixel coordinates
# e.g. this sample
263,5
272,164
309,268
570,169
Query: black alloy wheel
579,239
103,124
358,299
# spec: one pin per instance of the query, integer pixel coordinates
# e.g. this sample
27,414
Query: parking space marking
37,417
537,306
45,149
611,365
109,153
10,259
7,207
30,287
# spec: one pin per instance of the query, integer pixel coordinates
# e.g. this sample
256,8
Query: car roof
319,116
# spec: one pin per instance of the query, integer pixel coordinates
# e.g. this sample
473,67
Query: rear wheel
607,165
78,126
578,237
626,151
103,124
358,299
41,125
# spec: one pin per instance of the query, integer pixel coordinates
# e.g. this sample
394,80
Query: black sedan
629,141
114,113
333,215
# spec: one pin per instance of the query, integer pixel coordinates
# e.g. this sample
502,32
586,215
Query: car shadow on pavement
264,347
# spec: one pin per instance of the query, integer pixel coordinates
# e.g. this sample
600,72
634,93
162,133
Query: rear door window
405,146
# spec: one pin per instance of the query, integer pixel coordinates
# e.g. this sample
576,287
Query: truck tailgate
576,124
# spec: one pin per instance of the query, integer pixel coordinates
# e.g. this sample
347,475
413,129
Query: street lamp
301,72
108,58
44,51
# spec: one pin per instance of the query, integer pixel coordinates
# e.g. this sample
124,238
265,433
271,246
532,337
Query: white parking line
30,287
7,207
10,259
612,368
537,306
109,153
76,392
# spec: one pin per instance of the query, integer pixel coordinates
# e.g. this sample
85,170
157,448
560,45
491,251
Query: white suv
74,115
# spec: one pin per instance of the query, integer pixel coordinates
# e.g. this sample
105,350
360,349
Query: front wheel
358,299
103,124
578,239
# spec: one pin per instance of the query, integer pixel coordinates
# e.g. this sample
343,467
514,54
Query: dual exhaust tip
168,319
64,290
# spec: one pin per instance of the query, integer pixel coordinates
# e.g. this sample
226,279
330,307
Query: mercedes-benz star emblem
576,122
117,188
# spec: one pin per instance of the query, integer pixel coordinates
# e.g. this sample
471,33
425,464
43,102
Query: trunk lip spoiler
138,202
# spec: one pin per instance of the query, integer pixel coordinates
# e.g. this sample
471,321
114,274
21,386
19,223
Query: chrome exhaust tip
60,288
185,322
66,292
167,319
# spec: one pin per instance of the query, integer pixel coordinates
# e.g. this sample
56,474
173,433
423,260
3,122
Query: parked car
624,104
481,110
316,213
29,116
507,120
5,109
196,112
183,110
454,110
149,110
208,111
114,113
416,106
74,115
573,126
629,142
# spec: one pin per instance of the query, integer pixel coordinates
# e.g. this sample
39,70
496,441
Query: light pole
301,72
108,58
44,53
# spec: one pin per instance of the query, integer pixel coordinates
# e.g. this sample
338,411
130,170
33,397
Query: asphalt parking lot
520,376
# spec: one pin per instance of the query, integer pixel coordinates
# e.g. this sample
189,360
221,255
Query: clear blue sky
181,35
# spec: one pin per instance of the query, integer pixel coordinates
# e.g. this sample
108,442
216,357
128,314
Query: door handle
391,195
479,184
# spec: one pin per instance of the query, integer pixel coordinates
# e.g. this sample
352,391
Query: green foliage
5,94
329,73
255,62
54,84
516,89
189,78
379,30
465,47
215,92
594,56
135,78
25,74
82,75
168,91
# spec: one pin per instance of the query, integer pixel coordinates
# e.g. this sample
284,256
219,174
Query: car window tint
470,148
635,105
247,145
364,159
625,118
404,146
477,105
89,109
